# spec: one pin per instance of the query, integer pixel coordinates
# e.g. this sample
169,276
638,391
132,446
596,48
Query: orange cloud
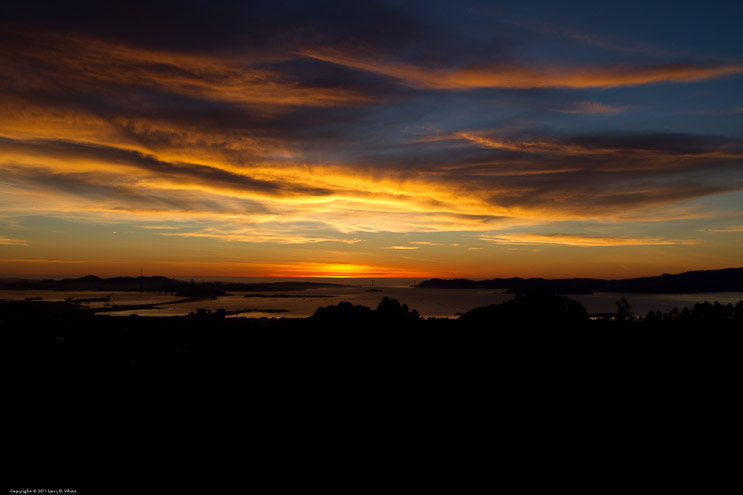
101,183
7,241
594,108
228,236
512,76
576,240
42,261
556,147
92,63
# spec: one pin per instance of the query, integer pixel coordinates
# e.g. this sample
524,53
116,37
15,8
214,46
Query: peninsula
725,280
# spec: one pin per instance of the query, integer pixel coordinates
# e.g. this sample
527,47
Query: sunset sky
414,139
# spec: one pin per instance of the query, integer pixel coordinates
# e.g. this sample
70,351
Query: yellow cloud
260,238
576,240
7,241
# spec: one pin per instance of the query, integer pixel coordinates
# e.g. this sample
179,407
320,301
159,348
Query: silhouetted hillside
726,280
90,282
64,344
542,310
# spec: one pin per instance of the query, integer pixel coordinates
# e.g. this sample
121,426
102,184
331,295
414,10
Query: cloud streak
574,177
257,237
594,108
7,241
514,76
89,65
576,240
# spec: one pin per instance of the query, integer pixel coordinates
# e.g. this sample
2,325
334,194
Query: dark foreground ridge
68,344
726,280
537,365
69,334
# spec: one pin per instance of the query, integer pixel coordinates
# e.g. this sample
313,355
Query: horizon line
214,278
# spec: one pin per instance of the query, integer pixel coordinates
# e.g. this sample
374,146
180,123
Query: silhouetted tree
343,312
624,310
390,310
738,313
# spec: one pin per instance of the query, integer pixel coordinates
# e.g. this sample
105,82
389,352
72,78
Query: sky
446,139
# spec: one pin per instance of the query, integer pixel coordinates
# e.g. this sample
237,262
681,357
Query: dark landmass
134,307
526,312
222,313
80,300
92,283
726,280
257,310
202,293
76,378
287,295
62,345
153,284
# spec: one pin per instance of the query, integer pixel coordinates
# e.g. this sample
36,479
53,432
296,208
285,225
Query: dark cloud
671,143
590,174
185,172
98,188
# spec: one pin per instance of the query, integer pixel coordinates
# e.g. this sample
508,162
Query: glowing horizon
287,141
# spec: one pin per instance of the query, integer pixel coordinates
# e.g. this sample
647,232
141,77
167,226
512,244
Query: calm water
440,303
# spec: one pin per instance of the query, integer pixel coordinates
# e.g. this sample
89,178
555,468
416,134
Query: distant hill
726,280
90,282
152,284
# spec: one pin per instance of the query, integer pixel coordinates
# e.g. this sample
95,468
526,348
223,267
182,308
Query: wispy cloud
514,76
7,241
594,108
658,144
726,111
43,261
89,63
576,240
259,238
578,177
594,39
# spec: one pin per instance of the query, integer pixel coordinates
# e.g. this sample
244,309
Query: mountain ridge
723,280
